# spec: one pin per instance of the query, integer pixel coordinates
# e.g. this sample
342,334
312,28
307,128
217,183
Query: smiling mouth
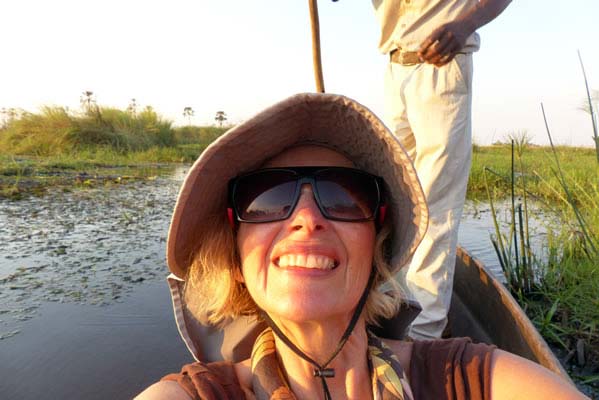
309,261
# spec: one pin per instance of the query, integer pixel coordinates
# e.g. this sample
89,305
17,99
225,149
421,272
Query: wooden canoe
483,309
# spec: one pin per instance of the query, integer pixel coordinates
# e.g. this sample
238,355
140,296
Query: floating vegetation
7,335
92,246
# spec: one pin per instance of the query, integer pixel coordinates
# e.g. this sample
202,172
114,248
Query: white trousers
429,110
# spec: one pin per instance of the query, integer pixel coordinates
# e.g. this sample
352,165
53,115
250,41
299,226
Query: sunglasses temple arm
231,218
382,215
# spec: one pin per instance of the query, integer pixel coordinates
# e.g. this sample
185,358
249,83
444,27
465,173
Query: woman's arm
164,390
514,377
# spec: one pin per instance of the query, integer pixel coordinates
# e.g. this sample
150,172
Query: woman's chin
303,309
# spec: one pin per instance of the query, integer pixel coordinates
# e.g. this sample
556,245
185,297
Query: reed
590,242
513,249
558,289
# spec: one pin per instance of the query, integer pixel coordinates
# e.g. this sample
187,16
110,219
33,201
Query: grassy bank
102,145
99,130
558,288
579,164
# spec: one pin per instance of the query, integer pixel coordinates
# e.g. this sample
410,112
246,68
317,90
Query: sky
240,56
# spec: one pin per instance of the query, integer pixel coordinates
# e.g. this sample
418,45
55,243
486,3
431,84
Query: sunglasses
271,194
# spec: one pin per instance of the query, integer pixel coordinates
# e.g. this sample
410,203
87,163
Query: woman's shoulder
459,368
164,390
215,380
517,378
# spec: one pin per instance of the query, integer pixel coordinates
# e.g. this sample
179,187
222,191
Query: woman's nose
307,215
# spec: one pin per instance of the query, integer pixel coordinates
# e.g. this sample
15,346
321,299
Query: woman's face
306,267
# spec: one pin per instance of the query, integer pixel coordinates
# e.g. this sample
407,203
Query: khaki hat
329,120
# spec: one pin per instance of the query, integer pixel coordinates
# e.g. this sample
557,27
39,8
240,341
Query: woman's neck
318,341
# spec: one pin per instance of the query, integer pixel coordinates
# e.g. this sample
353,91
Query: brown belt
401,57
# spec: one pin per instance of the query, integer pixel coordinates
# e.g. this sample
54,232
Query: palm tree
4,113
188,112
220,117
132,107
9,115
88,101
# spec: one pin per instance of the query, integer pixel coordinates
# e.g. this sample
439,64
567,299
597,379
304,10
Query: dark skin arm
446,41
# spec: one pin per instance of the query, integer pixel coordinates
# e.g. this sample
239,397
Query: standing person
428,96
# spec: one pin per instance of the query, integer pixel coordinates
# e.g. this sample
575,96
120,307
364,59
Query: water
81,351
474,235
476,229
87,246
84,310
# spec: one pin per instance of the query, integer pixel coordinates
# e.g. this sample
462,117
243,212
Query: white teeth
300,260
306,261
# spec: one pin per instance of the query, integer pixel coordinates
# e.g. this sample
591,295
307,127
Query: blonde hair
214,294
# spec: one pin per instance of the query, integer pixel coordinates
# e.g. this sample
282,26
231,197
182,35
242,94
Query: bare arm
447,40
514,377
164,390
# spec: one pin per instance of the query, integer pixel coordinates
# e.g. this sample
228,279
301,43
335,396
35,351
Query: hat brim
330,120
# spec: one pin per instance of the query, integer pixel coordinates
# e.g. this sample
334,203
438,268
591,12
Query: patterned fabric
389,381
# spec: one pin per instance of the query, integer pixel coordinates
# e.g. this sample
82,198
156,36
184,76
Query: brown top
213,381
452,369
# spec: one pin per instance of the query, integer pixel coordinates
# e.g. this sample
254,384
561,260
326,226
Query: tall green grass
513,249
38,134
559,290
579,166
54,131
198,134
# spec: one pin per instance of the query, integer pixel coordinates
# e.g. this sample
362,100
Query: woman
297,217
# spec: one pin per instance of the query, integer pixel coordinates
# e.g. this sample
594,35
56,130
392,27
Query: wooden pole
316,46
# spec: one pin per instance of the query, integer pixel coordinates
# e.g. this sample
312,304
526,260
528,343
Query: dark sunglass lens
264,196
347,195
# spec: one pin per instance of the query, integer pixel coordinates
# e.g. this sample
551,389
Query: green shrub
55,131
198,134
40,134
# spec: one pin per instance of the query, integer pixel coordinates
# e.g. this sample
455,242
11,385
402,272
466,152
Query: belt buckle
405,57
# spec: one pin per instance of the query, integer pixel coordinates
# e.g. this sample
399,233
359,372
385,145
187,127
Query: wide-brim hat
329,120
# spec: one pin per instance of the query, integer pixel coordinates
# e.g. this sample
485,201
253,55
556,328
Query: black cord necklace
322,371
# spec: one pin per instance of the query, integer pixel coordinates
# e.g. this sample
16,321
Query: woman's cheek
359,241
254,242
